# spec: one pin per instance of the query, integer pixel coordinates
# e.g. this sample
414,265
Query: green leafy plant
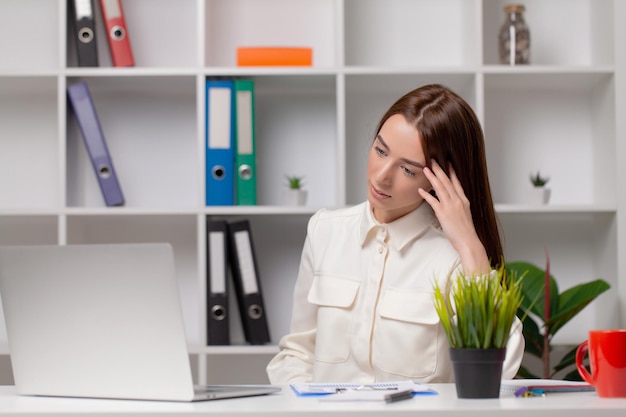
551,311
478,312
537,180
294,182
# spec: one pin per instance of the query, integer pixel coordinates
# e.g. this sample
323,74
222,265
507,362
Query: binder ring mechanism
85,35
104,171
255,311
118,33
245,172
218,312
218,172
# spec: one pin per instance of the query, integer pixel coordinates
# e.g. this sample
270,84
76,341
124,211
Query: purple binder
95,143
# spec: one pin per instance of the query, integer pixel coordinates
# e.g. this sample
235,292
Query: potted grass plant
477,314
295,195
539,194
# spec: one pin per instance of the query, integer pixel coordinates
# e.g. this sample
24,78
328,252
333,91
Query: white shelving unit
559,115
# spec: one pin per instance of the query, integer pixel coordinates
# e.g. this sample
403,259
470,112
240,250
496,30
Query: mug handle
580,356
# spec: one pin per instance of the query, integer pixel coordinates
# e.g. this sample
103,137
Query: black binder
247,283
217,282
85,32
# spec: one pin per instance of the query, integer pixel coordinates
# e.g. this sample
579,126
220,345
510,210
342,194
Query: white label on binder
112,8
219,118
82,9
246,262
217,267
244,122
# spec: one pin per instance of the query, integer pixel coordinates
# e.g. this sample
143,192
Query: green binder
245,148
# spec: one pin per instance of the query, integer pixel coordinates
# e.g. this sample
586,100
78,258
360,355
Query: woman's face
394,170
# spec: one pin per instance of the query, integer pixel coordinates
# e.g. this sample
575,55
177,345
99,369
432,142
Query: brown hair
452,136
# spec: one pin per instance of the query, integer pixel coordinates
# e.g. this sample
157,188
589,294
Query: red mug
607,358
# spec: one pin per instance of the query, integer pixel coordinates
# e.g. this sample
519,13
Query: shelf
262,210
512,209
400,33
33,229
177,41
540,79
268,71
570,33
154,151
559,115
234,350
131,72
548,69
133,211
252,23
29,143
533,121
241,350
37,49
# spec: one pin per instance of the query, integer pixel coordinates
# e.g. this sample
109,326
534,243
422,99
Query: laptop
100,321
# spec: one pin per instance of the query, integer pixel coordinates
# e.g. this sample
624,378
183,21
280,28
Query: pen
399,396
527,392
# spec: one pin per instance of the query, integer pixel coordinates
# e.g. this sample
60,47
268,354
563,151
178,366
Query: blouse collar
401,231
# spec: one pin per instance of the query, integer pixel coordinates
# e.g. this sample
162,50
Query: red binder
117,34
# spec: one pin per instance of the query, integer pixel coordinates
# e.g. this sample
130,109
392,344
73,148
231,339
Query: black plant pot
477,372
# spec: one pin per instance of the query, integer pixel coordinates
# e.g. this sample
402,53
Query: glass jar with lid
514,37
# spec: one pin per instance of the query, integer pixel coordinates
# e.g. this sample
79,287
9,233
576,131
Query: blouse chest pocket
408,339
335,298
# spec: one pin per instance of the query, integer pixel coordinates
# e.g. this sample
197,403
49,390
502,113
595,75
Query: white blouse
363,302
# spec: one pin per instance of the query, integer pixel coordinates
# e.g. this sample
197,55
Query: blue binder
89,125
220,143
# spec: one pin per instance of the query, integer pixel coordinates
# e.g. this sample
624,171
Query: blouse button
380,249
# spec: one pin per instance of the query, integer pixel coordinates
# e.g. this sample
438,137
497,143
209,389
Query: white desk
445,404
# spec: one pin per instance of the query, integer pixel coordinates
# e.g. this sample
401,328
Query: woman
363,302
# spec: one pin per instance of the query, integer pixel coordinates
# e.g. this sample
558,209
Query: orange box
274,56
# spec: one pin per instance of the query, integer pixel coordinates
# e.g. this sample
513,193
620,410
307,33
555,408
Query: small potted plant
477,313
295,195
539,194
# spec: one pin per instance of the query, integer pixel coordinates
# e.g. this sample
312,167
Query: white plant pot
294,197
538,196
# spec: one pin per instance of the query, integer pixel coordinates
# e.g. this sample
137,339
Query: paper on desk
542,386
313,388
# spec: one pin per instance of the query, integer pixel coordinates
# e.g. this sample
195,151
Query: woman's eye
379,151
408,171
